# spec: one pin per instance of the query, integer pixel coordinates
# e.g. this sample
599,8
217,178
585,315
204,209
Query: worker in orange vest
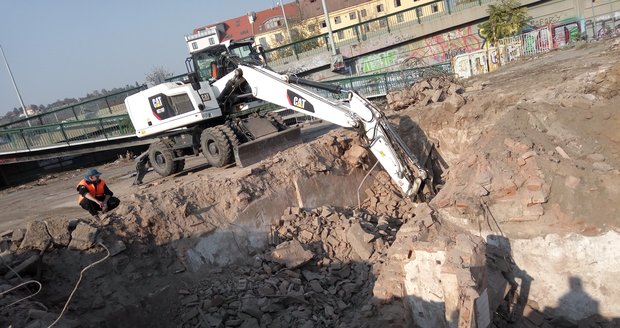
95,195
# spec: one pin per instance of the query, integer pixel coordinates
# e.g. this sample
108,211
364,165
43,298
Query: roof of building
239,28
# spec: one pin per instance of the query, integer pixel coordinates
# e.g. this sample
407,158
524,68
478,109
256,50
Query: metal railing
369,29
65,134
108,105
108,128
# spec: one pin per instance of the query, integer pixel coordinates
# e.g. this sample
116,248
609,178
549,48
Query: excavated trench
285,244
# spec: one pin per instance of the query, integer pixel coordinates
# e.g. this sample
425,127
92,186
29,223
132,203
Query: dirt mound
530,149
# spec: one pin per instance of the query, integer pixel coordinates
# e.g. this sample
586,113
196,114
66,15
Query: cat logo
299,101
156,101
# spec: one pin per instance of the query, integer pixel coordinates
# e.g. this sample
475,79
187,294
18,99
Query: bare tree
157,76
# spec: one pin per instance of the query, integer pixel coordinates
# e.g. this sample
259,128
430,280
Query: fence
370,29
107,128
72,133
108,105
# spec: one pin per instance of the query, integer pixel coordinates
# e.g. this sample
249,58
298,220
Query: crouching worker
95,195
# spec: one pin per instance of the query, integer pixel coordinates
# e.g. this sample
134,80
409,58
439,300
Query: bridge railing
70,133
107,128
108,105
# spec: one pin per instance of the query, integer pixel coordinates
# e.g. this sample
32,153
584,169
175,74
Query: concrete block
83,237
36,236
291,254
58,229
359,240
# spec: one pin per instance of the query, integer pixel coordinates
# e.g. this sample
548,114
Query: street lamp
329,28
288,32
252,18
21,101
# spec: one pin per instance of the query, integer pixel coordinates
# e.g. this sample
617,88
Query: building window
194,45
380,8
340,35
337,20
211,41
279,37
435,7
396,3
366,28
363,13
323,24
311,28
352,15
382,23
263,42
400,18
273,23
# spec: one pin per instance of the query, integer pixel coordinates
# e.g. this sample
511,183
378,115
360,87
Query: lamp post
252,18
329,28
21,101
288,32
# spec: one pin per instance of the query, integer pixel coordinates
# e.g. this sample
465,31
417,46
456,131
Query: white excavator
214,113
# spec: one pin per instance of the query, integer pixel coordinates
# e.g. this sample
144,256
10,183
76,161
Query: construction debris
435,90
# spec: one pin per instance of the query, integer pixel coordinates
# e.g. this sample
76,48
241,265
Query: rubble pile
22,253
384,198
441,89
319,273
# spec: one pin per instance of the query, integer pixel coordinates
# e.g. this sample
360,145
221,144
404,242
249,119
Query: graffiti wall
603,26
428,51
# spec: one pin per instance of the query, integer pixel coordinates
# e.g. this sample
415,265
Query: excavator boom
359,113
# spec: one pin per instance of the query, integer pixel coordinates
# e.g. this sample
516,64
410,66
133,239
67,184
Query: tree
157,76
505,19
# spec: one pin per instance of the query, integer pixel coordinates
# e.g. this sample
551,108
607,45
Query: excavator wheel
216,147
162,159
230,134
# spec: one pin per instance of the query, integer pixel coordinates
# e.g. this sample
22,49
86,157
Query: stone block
359,240
437,95
602,166
83,237
355,154
36,236
534,184
291,254
455,101
423,85
58,229
572,182
562,152
18,235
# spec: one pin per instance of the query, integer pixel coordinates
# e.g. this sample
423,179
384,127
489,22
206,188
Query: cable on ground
23,298
78,283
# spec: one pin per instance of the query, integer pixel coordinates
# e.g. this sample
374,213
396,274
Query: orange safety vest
95,192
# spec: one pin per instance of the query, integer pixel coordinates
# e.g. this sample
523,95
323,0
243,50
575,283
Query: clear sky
67,48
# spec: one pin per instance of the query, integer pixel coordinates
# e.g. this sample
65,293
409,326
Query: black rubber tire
179,165
162,159
215,147
230,134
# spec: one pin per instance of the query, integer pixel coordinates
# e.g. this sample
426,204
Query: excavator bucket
255,151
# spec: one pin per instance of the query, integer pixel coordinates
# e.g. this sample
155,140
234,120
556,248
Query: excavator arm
359,113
